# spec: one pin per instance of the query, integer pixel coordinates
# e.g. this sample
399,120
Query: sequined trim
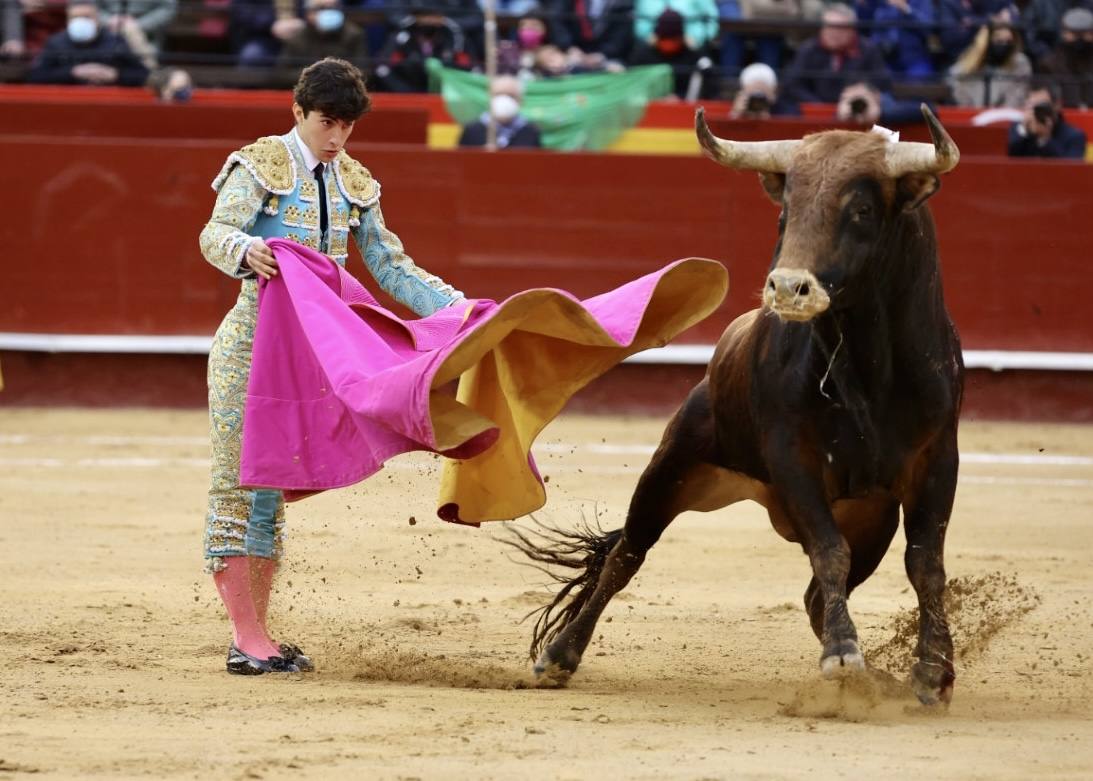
355,181
269,160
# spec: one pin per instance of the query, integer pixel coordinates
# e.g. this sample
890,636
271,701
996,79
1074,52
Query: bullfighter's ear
912,190
774,184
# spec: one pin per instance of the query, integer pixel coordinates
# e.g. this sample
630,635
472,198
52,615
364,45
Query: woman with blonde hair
993,71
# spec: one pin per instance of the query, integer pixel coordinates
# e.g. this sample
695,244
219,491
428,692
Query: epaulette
355,181
268,160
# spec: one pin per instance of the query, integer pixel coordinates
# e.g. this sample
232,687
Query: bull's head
840,193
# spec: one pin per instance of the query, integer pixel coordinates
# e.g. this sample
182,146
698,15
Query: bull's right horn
769,156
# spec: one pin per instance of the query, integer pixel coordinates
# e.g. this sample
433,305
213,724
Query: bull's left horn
769,156
939,157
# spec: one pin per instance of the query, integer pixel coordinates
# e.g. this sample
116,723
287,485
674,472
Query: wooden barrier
100,235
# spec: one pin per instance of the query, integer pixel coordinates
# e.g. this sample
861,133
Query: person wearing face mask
671,43
513,129
327,33
1071,61
993,72
86,53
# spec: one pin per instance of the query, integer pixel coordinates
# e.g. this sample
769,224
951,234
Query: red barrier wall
101,234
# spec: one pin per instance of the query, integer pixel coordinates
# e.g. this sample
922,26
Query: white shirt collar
310,160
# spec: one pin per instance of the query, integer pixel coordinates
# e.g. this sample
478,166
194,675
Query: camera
1044,113
858,106
757,104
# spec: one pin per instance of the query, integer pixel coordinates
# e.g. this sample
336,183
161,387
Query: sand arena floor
113,641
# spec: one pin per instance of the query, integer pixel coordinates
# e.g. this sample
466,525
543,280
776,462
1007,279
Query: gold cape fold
520,369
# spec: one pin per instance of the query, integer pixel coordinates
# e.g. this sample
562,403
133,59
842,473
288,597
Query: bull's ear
774,184
912,190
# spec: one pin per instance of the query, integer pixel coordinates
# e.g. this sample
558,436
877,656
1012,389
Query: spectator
671,45
899,28
326,33
518,56
758,96
401,66
513,128
602,29
256,32
992,71
959,20
1041,21
550,61
863,104
698,17
837,57
137,20
1044,132
28,24
86,53
171,85
1071,62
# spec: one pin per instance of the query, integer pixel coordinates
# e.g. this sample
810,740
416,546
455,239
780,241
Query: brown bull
834,405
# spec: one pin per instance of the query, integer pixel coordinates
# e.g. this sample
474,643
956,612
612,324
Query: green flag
589,111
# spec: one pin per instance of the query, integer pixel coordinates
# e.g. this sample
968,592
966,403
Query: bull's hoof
844,659
553,669
932,683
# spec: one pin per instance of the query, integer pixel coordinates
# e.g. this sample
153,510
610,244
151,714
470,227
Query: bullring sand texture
704,668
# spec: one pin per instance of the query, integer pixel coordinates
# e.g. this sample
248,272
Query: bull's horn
939,157
769,156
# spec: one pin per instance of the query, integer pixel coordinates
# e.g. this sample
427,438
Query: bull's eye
862,212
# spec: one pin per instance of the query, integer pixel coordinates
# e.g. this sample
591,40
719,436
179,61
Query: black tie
322,197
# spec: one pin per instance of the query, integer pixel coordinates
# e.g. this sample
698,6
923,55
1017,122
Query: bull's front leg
926,512
800,499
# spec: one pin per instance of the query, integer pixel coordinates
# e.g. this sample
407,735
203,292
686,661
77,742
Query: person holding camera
1044,132
758,96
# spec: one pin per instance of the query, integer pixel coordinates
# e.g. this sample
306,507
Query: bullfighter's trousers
239,522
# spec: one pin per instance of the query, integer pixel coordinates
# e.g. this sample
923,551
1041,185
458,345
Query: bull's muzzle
795,294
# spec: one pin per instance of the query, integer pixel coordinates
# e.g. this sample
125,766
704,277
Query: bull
834,405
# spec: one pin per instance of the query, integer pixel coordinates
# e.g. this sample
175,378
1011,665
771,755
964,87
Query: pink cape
338,384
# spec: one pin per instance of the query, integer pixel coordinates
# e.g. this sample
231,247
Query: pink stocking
261,583
234,584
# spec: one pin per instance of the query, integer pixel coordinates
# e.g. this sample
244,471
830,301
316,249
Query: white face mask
329,19
504,107
81,29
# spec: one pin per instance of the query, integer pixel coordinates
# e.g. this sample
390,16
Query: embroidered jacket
265,190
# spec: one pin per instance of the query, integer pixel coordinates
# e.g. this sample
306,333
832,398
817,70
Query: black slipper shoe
293,655
240,663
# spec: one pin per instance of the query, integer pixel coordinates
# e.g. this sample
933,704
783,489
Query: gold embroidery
308,190
309,218
355,181
292,216
268,161
339,243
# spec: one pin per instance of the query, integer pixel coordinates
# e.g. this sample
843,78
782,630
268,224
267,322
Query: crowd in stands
873,59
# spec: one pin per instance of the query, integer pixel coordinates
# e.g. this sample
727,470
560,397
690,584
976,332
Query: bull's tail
584,549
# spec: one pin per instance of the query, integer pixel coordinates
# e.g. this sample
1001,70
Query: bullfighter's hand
260,259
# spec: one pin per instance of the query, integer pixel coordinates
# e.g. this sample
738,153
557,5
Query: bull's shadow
834,405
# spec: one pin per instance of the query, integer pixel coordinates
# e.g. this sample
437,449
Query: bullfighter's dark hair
333,87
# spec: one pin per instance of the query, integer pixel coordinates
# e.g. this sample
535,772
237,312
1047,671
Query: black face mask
1078,48
998,53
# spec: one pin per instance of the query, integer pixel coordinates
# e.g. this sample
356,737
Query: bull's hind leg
612,559
926,517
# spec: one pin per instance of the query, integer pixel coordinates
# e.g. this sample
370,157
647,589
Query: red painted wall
100,235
